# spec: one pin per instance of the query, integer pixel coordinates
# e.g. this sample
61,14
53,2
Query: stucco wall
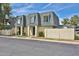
13,31
25,31
5,32
42,28
67,34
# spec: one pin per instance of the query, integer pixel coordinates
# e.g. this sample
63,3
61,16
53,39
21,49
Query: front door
19,29
33,31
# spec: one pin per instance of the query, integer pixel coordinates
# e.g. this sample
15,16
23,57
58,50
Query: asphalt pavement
14,47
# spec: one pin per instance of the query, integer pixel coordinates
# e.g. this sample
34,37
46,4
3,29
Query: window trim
19,21
48,20
32,19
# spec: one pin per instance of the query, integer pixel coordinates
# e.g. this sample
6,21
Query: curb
47,40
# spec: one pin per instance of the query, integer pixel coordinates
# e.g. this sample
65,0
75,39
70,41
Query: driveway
14,47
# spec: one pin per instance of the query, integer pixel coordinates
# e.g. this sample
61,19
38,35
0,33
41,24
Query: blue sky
61,9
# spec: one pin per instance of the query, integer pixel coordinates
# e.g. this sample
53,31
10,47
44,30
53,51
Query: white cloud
23,8
45,11
47,5
24,12
60,9
29,6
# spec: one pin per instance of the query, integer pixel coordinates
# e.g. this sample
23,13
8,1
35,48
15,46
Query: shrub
41,34
24,34
18,33
76,37
77,32
13,34
5,27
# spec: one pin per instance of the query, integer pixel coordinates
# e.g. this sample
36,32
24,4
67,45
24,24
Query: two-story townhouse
20,23
34,23
48,20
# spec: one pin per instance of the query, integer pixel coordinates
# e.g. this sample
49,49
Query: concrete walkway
76,42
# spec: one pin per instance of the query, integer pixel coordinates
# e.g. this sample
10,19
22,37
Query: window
33,19
46,19
18,20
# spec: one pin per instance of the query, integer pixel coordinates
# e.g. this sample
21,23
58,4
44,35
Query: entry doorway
33,31
19,29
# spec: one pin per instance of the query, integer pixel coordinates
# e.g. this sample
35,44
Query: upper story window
46,18
33,19
19,21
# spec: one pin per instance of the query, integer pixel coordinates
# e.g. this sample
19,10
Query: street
19,47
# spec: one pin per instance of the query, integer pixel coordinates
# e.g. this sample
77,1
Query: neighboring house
32,24
12,21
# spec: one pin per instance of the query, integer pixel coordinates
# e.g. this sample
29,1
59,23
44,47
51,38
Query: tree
74,20
1,14
65,21
0,7
6,8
